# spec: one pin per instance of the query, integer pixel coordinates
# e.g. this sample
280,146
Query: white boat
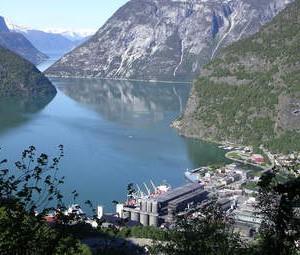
192,176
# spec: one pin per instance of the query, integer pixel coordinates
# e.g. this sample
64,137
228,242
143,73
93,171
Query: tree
28,193
279,204
130,191
211,233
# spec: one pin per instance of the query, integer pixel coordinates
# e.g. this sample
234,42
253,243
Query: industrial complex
232,186
162,207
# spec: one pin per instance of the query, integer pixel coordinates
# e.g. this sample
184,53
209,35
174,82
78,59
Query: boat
192,176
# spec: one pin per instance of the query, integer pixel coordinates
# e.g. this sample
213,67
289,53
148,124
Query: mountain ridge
18,43
164,39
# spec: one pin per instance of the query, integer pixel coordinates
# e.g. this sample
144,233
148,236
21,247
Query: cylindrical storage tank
149,206
144,219
144,206
119,210
135,216
154,207
153,221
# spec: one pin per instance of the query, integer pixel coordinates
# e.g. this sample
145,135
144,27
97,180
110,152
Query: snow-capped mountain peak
71,34
14,27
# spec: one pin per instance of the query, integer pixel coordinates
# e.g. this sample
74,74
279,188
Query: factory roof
180,191
188,196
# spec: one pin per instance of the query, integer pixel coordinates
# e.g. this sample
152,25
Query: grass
234,155
250,185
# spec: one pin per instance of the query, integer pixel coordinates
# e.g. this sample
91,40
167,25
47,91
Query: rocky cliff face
17,43
251,93
165,39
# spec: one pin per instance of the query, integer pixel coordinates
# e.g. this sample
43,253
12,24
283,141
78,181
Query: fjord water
114,133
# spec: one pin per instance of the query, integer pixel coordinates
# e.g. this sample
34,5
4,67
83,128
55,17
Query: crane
153,185
148,190
140,192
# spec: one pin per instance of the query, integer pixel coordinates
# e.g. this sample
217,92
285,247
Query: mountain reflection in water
128,102
14,111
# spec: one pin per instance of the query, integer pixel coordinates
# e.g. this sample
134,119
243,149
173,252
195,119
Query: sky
60,14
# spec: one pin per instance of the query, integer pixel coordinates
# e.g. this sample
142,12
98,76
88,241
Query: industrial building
154,210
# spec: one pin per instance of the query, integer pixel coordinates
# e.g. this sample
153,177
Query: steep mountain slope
165,39
17,43
251,94
18,77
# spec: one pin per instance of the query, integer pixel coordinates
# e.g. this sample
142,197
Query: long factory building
153,211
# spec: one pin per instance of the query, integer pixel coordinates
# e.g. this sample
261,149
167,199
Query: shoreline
226,143
118,79
265,169
209,140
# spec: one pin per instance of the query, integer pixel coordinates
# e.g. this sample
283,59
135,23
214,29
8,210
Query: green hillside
250,94
20,77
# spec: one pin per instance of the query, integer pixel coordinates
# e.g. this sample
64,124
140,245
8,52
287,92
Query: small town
232,186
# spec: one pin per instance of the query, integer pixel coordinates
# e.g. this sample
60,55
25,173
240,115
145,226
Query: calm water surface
114,132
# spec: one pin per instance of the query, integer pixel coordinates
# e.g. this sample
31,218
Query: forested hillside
251,93
19,77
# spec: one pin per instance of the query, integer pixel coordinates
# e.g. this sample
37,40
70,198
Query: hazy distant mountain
73,35
3,26
51,41
165,39
18,43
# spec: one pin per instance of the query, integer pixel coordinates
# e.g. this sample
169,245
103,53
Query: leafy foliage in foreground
211,233
147,232
27,194
279,204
